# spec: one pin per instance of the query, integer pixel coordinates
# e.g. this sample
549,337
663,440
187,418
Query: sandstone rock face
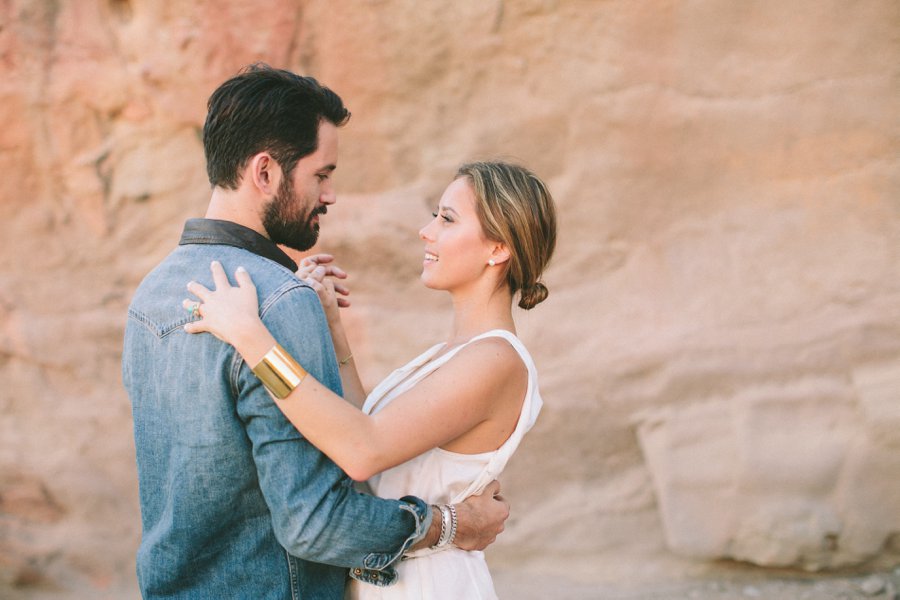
720,352
780,475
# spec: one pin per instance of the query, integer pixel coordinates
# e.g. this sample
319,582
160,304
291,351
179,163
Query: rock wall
720,352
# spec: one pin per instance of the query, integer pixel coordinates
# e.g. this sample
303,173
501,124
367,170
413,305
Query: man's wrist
448,526
434,531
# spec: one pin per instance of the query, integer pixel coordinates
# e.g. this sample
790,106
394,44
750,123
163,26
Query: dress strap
531,407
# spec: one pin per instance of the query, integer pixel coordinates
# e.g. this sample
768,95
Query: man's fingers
492,489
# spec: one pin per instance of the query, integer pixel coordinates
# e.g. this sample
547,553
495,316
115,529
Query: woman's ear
265,173
499,254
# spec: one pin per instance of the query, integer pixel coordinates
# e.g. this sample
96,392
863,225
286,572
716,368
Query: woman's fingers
220,279
321,258
315,260
243,278
199,290
336,271
195,327
341,289
193,307
316,285
320,272
222,310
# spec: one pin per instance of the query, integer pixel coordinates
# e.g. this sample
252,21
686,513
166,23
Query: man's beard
284,221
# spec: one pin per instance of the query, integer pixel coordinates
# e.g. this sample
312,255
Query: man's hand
481,518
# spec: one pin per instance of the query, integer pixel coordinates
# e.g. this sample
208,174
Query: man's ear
265,173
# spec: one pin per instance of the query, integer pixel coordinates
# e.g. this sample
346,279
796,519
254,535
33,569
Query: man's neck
232,205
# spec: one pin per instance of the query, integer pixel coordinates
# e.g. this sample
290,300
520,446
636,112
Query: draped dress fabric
442,477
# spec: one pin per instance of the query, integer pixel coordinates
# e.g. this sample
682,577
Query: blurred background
720,351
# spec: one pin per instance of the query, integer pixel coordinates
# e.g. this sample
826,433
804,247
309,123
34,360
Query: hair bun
533,295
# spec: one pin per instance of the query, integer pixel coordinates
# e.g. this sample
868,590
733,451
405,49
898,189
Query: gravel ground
876,586
731,583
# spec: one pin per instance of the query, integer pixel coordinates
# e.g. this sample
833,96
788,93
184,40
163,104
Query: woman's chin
429,282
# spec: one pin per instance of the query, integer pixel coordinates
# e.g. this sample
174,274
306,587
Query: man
234,502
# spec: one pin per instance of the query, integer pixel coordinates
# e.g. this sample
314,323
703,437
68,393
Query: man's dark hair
265,109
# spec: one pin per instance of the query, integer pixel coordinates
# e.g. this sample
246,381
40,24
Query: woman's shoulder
504,342
498,354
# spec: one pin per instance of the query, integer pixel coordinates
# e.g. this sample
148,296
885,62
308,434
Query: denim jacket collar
228,233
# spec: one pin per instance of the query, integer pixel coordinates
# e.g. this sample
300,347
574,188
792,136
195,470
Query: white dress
441,477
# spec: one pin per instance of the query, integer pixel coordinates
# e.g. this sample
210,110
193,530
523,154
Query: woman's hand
231,313
316,271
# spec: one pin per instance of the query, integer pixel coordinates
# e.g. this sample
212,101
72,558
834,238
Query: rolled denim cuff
378,567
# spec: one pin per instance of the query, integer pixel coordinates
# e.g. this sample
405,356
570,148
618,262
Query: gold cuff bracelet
279,372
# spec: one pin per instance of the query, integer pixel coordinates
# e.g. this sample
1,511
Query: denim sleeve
316,513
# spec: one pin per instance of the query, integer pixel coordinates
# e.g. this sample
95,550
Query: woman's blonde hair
515,208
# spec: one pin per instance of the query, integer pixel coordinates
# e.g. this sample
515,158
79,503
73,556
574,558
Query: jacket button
357,571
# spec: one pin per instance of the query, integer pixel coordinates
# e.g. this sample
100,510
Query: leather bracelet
279,372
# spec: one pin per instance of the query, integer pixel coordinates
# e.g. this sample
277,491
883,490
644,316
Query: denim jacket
235,503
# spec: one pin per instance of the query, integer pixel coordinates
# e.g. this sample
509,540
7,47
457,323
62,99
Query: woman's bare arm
471,388
320,273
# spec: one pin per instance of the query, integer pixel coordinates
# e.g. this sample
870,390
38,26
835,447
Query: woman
443,426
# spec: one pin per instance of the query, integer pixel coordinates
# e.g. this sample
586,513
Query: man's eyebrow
328,168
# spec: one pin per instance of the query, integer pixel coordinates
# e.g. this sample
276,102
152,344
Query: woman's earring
491,262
